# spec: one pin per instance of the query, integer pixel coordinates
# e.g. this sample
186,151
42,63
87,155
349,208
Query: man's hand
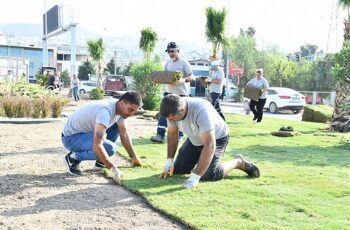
117,175
136,162
192,181
168,169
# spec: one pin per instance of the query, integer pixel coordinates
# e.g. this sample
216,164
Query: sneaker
255,117
72,165
99,164
157,139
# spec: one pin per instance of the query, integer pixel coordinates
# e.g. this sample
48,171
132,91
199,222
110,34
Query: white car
280,98
86,86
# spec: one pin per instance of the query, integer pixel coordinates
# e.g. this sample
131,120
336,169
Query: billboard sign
53,19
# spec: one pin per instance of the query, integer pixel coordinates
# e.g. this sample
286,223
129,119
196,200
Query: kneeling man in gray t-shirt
208,136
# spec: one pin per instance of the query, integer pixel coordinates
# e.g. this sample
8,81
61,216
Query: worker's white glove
117,175
192,181
168,169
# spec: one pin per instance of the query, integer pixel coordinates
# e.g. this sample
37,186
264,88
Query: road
237,108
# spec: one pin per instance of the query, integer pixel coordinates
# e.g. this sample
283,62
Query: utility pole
115,62
227,56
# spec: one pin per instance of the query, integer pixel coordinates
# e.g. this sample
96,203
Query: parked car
280,98
86,86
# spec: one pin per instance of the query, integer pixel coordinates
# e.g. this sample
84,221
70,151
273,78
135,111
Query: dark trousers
188,158
257,108
214,99
163,124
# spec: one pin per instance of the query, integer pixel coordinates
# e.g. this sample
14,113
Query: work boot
157,139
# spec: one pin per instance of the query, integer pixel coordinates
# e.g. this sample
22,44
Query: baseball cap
214,63
171,45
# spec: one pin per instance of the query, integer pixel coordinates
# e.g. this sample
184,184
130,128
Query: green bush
317,113
150,91
238,97
97,94
42,79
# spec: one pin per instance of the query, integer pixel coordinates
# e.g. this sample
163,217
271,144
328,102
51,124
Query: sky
281,23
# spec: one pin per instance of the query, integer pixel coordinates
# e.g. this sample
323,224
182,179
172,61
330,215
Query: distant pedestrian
257,106
75,84
215,86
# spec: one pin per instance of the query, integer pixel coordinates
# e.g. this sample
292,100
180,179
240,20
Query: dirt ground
37,193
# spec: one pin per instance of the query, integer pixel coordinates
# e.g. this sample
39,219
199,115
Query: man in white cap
215,86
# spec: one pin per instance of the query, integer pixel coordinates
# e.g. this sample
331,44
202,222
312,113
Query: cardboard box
252,93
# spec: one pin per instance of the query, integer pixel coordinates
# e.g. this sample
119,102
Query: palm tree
342,87
345,4
215,29
148,42
96,50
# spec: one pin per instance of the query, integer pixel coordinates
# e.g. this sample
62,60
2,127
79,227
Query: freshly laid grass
304,183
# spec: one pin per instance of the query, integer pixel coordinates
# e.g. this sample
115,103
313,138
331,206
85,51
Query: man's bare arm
99,136
208,138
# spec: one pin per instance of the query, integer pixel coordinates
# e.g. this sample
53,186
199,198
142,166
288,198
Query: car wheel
82,91
296,111
273,107
246,105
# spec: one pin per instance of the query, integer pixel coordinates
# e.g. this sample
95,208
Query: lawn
304,183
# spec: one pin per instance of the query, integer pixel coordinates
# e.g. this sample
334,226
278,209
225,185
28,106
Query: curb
5,120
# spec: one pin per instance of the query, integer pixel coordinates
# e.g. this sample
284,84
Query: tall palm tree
345,4
148,42
215,29
97,50
342,88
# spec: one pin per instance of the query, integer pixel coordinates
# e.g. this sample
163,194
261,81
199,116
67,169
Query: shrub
97,94
57,105
37,108
141,83
45,107
317,113
23,106
8,104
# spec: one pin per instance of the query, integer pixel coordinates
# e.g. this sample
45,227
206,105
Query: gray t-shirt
260,84
84,119
184,67
201,117
214,87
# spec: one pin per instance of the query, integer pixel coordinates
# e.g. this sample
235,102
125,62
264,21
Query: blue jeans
82,143
75,93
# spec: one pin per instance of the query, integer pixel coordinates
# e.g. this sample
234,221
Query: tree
250,31
65,79
96,50
109,69
148,42
308,50
149,91
215,29
324,76
345,4
126,69
85,69
278,70
244,53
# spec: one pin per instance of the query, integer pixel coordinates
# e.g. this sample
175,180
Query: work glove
192,181
136,162
168,169
117,175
